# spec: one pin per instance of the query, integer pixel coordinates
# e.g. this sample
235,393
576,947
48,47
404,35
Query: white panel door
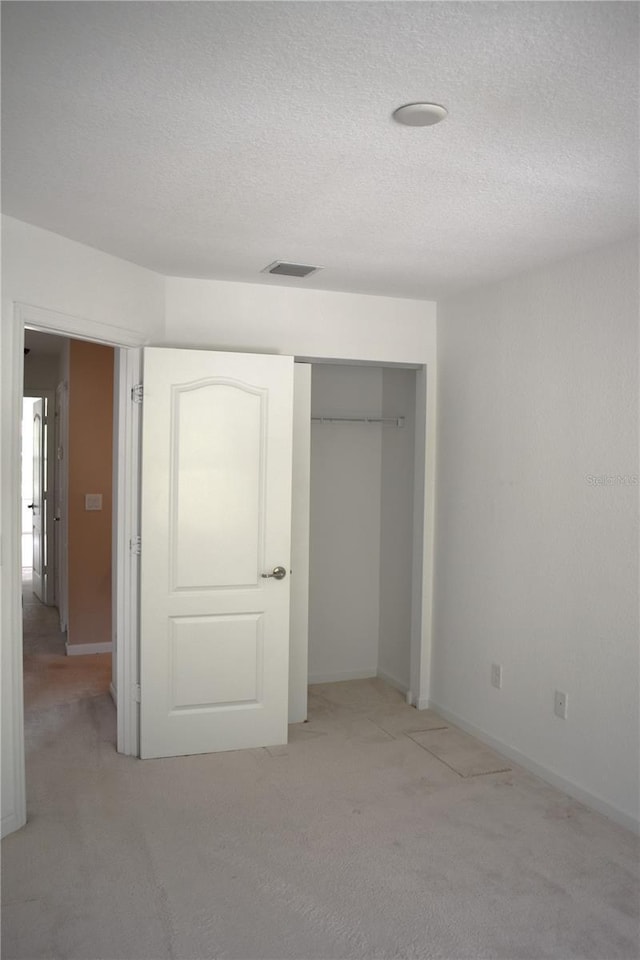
215,522
37,505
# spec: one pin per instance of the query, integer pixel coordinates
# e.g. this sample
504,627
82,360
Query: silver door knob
279,573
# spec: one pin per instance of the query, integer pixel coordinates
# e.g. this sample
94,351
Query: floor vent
282,269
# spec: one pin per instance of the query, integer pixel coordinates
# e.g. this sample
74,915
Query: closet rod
399,421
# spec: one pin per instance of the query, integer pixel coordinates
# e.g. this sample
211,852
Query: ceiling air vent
282,269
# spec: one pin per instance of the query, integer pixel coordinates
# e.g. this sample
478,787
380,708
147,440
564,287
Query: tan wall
90,471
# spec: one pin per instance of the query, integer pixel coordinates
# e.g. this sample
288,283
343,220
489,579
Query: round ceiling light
420,114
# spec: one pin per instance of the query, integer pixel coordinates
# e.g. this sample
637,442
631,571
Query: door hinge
135,545
137,692
136,393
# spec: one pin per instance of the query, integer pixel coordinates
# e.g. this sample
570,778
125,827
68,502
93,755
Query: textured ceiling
209,139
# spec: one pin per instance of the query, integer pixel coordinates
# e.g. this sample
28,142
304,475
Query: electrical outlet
560,705
496,675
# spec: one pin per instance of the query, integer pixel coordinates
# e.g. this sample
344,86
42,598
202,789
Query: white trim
300,519
126,527
12,822
11,603
550,776
345,675
85,649
423,536
67,326
393,682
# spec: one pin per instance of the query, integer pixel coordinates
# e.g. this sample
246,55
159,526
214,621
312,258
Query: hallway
50,676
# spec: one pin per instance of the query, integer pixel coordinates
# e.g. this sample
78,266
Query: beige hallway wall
90,471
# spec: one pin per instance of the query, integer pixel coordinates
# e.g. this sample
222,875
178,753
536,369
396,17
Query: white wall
299,322
45,270
396,530
344,560
536,568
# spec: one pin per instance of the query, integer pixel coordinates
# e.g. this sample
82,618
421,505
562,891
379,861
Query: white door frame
126,433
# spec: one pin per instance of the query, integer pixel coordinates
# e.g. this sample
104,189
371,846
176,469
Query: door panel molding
215,518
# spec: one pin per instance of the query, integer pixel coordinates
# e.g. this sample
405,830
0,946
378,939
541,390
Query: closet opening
363,534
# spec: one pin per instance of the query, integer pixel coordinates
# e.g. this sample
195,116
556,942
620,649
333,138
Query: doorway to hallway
51,544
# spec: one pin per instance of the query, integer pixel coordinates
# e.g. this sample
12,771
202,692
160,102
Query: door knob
279,573
30,506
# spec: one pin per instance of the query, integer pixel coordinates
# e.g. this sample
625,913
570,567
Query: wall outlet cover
560,704
93,501
496,676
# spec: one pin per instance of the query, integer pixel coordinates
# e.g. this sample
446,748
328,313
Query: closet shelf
398,421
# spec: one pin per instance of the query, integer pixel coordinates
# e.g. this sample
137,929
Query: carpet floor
377,832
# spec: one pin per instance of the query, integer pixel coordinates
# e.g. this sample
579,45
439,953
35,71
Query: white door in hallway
60,529
215,526
37,505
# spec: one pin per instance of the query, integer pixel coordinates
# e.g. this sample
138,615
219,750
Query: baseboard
393,682
567,786
114,696
346,675
83,649
10,823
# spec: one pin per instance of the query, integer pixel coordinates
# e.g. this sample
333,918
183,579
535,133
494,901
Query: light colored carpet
461,752
353,841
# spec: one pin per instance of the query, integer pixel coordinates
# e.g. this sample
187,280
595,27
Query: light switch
93,501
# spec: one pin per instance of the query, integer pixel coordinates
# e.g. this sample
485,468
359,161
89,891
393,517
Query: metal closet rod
398,421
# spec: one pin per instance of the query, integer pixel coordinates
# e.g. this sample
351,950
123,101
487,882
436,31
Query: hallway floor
50,676
377,832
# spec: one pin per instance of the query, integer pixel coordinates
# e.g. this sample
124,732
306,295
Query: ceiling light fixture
419,114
